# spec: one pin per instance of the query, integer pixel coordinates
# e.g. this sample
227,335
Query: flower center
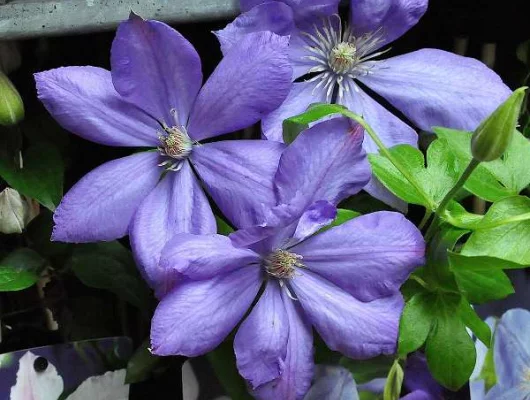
342,57
339,56
281,264
175,143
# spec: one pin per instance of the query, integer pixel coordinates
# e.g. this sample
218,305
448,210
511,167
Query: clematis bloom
335,62
343,281
430,87
152,97
511,355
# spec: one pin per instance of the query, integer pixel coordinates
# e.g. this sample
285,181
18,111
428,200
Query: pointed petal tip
135,17
228,102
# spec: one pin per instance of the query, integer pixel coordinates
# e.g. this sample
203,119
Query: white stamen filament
338,55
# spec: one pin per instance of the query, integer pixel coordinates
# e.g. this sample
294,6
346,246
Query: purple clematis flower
153,98
442,89
334,62
343,281
511,356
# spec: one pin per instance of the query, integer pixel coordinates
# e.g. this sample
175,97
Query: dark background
480,21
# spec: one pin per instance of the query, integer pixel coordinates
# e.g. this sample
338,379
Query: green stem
509,220
452,193
391,158
425,219
420,281
449,196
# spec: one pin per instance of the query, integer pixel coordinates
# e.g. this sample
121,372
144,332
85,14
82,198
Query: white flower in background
190,385
37,379
109,386
16,211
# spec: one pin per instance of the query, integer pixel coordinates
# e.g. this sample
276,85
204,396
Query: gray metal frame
21,19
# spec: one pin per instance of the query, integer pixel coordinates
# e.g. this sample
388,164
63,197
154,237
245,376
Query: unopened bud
11,106
16,211
493,136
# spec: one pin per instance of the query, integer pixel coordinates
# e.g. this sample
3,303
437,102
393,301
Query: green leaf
415,324
481,279
438,271
43,128
364,395
458,216
436,179
412,159
363,203
294,125
504,232
343,216
450,350
110,266
223,362
393,382
365,370
20,270
222,227
496,179
141,364
41,177
470,318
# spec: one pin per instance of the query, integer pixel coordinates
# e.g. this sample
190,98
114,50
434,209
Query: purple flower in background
419,381
511,356
332,383
153,98
337,383
430,87
477,383
343,281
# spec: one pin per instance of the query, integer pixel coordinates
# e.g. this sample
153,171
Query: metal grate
25,19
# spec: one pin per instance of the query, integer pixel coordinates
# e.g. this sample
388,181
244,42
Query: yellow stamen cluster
175,143
281,264
343,57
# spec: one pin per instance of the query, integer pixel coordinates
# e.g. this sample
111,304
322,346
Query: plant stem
420,281
449,196
452,193
391,158
509,220
425,218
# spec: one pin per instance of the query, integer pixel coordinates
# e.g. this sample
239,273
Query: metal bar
20,19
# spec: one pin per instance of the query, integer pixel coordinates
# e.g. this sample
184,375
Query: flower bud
493,136
16,211
11,106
